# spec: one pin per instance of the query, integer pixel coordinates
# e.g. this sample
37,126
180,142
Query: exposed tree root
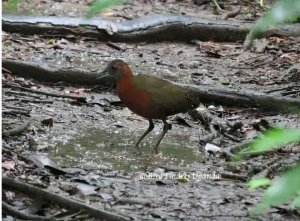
152,28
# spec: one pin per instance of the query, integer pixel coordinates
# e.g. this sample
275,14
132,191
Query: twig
115,46
134,201
232,14
6,70
224,126
22,94
11,184
230,216
281,89
17,108
230,152
17,130
234,176
17,214
16,112
218,6
177,169
47,93
231,137
36,101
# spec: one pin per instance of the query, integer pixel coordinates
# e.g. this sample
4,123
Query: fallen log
151,28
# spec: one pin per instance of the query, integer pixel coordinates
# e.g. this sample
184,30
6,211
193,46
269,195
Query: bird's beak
103,74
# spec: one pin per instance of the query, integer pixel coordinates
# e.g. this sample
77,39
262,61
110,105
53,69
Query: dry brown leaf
9,165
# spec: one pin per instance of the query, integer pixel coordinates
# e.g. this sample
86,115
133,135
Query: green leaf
284,11
11,5
99,5
296,203
254,183
282,189
273,139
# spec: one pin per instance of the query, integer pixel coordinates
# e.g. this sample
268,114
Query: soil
93,142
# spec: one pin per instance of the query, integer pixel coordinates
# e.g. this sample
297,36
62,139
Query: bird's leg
166,127
150,128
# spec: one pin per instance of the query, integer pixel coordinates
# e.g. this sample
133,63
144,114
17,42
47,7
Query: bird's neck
125,82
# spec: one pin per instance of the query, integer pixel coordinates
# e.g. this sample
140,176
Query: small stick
234,176
47,93
17,108
17,214
232,14
133,201
115,46
218,6
16,112
17,130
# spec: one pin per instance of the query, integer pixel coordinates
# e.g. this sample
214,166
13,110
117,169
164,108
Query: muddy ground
92,143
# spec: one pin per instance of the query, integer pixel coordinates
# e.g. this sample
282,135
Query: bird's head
116,69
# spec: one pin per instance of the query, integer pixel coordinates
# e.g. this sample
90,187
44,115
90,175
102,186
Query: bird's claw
137,151
155,151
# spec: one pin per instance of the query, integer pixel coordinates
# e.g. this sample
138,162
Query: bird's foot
155,151
137,151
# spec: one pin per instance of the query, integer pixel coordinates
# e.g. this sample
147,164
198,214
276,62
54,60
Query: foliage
273,139
99,5
284,11
288,185
259,182
284,188
11,5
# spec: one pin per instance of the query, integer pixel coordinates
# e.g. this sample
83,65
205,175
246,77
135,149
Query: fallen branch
16,112
36,101
22,94
125,200
218,6
32,191
16,108
177,169
19,215
223,126
17,130
232,14
232,176
46,93
151,28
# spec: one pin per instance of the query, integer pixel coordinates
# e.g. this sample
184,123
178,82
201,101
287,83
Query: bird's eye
113,68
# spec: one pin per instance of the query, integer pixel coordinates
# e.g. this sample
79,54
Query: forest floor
89,146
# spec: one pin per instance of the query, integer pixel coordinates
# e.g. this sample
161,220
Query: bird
150,97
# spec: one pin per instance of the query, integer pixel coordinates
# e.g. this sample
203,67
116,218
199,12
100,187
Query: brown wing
166,98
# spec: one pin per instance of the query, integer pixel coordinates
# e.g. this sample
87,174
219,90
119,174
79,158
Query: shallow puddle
102,149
